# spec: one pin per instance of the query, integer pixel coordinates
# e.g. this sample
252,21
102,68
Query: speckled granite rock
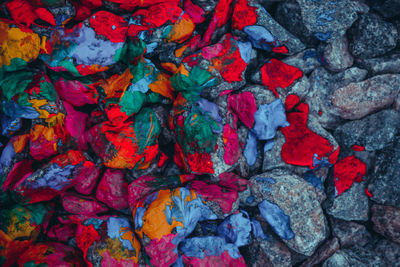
384,186
371,36
330,18
350,205
356,256
386,221
357,100
322,253
389,251
350,233
374,132
293,44
322,85
298,199
383,65
337,56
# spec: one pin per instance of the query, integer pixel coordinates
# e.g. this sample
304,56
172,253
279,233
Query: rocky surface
384,183
356,256
386,221
373,132
337,56
350,233
357,100
348,54
306,221
382,65
371,36
350,205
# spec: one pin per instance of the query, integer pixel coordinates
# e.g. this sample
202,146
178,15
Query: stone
384,185
306,60
330,18
383,65
356,256
386,221
298,200
387,8
270,253
288,14
322,86
273,158
371,36
336,55
374,132
396,104
322,253
292,43
350,205
350,233
389,251
300,87
358,99
337,260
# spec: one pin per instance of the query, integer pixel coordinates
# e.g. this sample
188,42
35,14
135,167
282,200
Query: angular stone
374,132
350,233
386,221
306,60
322,86
371,36
292,43
288,14
330,18
356,256
384,186
357,100
389,251
350,205
270,253
383,65
337,56
322,253
298,200
273,158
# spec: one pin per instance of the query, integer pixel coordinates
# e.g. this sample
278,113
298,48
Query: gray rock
329,18
276,251
299,200
384,186
306,61
389,251
322,253
273,158
350,233
337,260
396,103
322,86
299,87
288,14
387,8
355,257
374,132
292,43
350,205
383,65
337,55
357,100
386,221
269,253
371,36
